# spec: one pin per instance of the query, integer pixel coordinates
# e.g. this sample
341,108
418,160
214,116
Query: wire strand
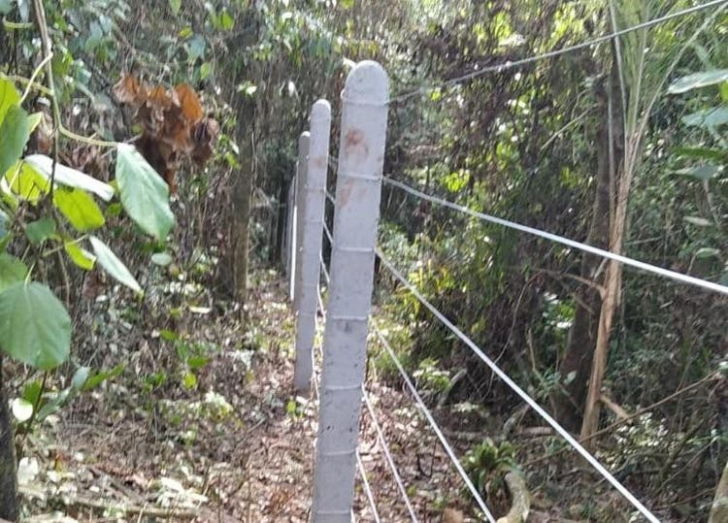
646,267
431,419
523,394
329,235
557,52
325,271
388,455
367,488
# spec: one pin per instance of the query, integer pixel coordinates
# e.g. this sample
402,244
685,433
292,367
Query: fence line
520,392
646,267
435,427
388,455
556,52
350,285
367,487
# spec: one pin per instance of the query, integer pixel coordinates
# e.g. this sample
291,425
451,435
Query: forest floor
204,426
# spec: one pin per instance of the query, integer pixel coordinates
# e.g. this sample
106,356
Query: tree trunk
582,339
8,473
244,181
613,283
242,196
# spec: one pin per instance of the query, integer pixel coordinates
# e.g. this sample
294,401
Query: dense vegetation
107,283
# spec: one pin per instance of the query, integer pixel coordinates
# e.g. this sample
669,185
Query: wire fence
462,336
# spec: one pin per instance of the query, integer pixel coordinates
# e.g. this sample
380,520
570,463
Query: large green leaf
113,265
34,325
707,118
12,270
79,208
70,177
144,195
14,134
8,96
697,80
702,172
176,5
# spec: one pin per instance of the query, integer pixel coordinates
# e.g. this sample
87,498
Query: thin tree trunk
242,196
576,365
244,180
8,473
612,286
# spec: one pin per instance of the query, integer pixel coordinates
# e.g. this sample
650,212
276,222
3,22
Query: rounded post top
367,83
304,139
321,107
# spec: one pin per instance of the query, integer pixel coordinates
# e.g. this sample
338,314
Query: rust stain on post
356,146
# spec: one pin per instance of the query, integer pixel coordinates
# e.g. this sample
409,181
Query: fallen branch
615,408
155,512
521,499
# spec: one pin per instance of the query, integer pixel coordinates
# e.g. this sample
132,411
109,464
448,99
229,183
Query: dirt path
235,445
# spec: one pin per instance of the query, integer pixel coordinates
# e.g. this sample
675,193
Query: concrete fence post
301,167
288,246
311,227
356,217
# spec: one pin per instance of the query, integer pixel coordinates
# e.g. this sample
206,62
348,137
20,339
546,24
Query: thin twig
31,82
40,18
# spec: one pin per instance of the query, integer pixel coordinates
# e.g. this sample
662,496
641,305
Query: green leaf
80,257
6,6
98,378
79,208
49,408
168,335
226,21
32,392
12,270
14,131
161,258
114,210
701,152
707,118
34,120
697,80
144,195
205,70
176,5
197,362
8,96
80,377
702,172
189,380
707,252
26,182
40,230
724,91
113,265
35,327
70,177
